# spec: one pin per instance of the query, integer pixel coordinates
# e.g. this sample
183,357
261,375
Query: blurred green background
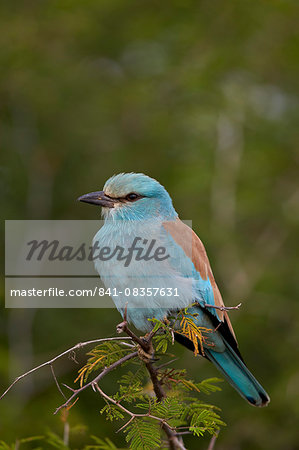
203,96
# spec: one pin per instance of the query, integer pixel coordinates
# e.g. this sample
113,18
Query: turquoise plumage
137,206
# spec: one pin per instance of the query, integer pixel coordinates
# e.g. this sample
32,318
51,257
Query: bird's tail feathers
238,375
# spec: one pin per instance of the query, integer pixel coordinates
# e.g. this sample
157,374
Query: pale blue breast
142,274
175,272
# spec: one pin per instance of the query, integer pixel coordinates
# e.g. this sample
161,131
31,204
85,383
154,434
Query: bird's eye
131,197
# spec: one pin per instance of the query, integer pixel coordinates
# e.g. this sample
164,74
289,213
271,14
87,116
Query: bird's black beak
97,198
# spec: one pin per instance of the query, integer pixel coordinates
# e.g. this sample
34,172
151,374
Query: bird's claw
146,356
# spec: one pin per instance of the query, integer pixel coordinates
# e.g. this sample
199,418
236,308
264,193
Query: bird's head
132,196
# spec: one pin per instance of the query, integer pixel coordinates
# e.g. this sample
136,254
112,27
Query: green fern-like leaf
102,356
169,409
4,446
129,393
158,325
55,441
172,377
101,444
129,376
202,418
209,385
205,421
163,337
112,412
143,434
162,342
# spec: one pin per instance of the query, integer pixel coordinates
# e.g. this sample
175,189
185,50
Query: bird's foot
146,355
121,327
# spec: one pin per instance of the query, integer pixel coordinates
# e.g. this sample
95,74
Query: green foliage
112,412
174,377
162,341
206,386
129,392
131,386
170,410
203,421
202,418
143,434
52,440
20,442
55,441
182,323
130,377
103,355
101,444
163,336
179,410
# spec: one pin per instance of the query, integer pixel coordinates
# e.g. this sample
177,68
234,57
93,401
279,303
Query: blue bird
138,211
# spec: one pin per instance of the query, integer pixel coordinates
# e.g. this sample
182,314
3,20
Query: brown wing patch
185,237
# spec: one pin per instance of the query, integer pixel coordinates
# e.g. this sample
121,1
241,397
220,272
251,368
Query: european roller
176,273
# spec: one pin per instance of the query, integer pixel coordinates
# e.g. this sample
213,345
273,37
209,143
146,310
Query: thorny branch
56,381
223,308
146,353
171,434
93,382
70,351
213,441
